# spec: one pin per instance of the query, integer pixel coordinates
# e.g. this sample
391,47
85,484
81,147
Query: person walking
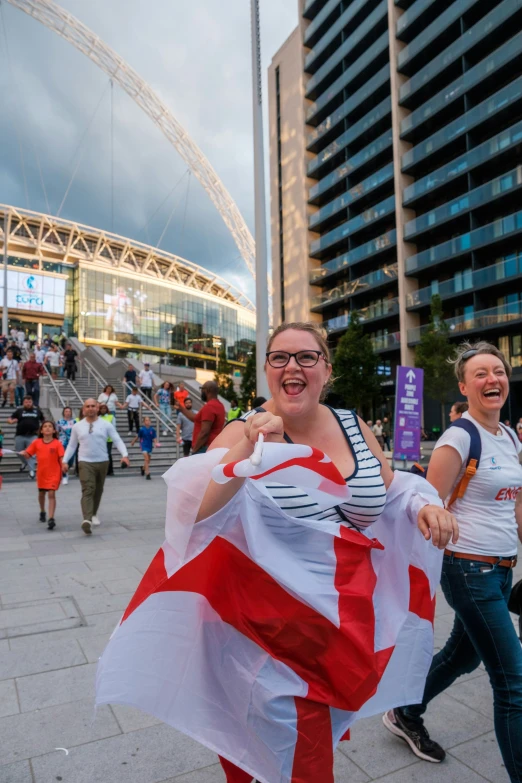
378,432
386,433
91,434
52,359
109,398
185,429
27,419
69,362
9,370
31,373
456,410
129,379
107,415
209,421
477,571
146,380
163,399
49,452
64,427
148,441
133,404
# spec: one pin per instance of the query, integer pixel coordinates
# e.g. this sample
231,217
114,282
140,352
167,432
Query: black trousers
133,417
110,471
147,391
70,371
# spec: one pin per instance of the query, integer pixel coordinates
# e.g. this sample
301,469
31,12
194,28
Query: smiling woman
477,571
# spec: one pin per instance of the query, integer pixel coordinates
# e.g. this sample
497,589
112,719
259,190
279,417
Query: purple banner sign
408,413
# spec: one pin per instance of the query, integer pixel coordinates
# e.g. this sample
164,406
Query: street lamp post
5,315
260,205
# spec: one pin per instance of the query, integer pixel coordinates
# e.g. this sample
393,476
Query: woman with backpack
477,572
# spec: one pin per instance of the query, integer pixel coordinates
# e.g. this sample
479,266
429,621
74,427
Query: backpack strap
475,451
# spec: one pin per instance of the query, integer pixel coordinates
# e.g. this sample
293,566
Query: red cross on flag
263,636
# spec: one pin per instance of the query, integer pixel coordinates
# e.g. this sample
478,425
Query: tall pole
260,206
5,320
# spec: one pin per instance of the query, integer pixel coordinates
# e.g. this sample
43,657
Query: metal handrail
54,386
155,408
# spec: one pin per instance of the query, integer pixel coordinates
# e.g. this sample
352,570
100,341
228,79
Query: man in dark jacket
31,372
69,358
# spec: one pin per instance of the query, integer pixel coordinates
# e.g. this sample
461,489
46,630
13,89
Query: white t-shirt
11,365
147,378
486,513
109,400
39,355
53,357
134,401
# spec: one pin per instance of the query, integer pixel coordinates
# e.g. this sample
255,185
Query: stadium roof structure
50,238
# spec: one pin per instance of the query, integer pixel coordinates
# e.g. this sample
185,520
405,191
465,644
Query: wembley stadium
128,297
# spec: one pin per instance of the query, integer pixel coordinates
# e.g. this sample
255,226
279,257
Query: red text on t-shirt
508,493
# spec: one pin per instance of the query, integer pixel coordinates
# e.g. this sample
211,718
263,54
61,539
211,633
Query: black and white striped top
368,491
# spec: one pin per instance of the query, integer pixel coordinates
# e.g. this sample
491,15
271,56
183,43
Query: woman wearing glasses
478,569
298,371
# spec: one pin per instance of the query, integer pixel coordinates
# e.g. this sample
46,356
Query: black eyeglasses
90,427
280,359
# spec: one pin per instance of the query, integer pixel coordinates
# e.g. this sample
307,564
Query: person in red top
31,372
181,394
209,421
49,452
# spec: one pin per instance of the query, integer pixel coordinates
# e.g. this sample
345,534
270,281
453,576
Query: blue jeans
166,411
482,631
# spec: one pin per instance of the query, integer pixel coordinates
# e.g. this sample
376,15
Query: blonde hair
303,326
318,334
480,347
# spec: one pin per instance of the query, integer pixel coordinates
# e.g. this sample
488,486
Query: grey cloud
197,57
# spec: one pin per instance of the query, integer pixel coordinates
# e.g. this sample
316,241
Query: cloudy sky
56,116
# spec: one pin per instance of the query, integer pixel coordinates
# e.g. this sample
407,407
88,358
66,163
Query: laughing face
296,390
486,384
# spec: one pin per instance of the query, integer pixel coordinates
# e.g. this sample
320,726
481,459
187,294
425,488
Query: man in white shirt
39,354
133,404
146,380
91,434
9,369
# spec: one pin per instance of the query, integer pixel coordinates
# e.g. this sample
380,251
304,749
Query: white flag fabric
265,637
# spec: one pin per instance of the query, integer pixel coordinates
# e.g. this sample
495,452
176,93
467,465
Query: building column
401,181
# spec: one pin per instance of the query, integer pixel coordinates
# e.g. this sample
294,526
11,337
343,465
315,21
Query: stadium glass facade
128,298
410,144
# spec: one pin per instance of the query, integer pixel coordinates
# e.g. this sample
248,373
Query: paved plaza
61,595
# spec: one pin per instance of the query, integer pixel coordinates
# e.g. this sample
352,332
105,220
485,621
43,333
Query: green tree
433,354
248,387
223,375
355,368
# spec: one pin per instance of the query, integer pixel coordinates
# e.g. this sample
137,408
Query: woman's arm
518,515
444,468
239,438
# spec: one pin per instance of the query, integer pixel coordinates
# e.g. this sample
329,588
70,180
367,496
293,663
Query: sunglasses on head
469,354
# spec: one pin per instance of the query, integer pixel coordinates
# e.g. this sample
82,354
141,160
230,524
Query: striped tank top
368,493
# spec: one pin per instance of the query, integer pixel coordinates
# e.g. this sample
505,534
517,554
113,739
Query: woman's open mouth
293,387
492,394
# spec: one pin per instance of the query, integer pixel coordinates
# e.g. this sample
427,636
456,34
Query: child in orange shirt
49,452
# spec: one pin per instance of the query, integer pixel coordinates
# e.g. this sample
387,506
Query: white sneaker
65,480
164,432
86,527
96,521
32,474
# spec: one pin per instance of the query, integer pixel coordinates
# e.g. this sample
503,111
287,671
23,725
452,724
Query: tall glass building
396,165
129,298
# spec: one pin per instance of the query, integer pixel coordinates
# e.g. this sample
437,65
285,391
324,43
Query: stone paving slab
47,677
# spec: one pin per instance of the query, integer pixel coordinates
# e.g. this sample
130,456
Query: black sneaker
51,524
415,735
148,476
142,471
4,403
43,516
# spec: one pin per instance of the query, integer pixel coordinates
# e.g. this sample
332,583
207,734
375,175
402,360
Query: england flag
265,637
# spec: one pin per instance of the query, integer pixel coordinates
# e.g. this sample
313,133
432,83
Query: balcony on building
492,234
321,22
497,277
490,153
363,223
490,319
481,38
381,278
416,18
504,189
377,311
